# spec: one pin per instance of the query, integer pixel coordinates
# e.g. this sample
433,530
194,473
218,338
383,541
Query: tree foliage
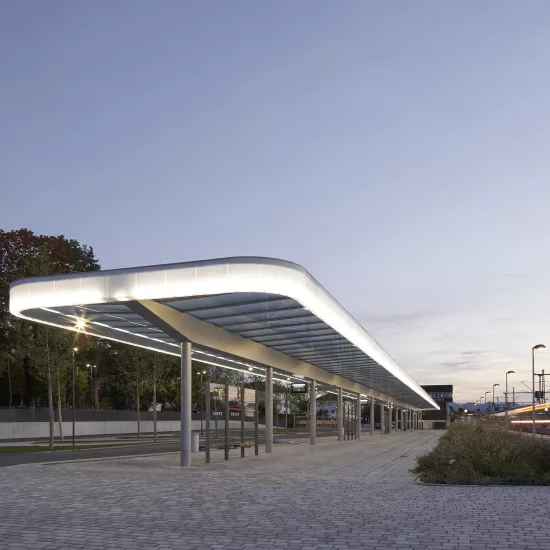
25,254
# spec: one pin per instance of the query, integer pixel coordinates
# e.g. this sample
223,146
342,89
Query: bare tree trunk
59,407
96,391
155,402
286,413
50,396
137,402
9,382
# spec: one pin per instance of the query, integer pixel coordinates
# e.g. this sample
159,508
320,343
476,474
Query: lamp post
486,404
92,367
538,346
201,374
493,403
74,402
506,400
480,401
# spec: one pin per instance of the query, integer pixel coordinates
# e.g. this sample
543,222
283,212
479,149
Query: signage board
299,387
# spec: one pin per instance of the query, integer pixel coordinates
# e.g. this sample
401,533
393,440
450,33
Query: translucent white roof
272,302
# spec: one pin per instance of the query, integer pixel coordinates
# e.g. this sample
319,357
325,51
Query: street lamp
201,373
506,400
486,404
493,403
91,367
538,346
74,404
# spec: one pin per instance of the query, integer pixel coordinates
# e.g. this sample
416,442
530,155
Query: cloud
468,346
511,275
399,319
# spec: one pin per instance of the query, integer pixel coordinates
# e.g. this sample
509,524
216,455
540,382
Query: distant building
442,395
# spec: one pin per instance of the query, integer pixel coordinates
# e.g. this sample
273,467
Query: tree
24,254
158,370
6,360
42,369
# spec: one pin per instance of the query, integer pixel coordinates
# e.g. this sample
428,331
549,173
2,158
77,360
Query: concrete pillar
389,417
340,415
269,409
382,425
403,420
358,419
312,412
371,416
185,404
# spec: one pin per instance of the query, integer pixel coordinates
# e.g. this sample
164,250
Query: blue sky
398,150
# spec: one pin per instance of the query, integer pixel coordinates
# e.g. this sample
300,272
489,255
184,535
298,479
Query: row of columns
408,419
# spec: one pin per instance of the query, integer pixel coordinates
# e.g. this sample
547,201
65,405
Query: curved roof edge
202,278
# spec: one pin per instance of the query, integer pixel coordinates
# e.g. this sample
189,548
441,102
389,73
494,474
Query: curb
418,481
76,460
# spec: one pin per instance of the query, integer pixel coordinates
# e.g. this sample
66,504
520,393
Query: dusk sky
400,151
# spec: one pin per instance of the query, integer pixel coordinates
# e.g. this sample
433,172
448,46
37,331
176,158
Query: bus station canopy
241,313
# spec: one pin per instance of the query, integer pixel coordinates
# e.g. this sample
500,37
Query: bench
234,445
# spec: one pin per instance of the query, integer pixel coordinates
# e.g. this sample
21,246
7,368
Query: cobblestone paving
353,495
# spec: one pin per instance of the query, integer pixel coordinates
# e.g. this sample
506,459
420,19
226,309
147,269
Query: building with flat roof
442,395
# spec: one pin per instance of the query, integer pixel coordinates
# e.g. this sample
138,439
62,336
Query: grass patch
20,449
114,441
472,454
148,436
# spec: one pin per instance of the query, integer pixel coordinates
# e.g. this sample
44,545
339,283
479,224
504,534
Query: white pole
312,412
185,400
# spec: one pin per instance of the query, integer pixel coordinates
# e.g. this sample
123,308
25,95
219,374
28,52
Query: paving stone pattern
352,495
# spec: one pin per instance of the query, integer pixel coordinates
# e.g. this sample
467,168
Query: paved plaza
352,495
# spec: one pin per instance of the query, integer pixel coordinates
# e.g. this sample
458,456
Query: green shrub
476,455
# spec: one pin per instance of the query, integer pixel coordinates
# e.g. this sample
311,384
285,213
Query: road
9,459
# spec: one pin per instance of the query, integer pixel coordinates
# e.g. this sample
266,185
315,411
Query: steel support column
371,416
312,412
207,407
185,405
340,413
358,418
269,409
